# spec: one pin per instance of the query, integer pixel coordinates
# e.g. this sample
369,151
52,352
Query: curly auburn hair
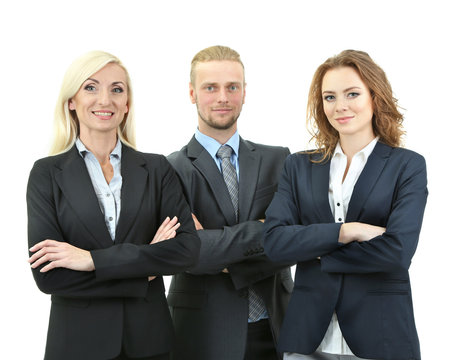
386,120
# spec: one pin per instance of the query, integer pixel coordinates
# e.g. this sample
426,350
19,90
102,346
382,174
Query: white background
281,44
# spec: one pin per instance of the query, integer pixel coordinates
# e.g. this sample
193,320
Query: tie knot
224,152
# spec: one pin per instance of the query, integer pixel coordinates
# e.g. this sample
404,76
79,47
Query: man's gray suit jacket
209,307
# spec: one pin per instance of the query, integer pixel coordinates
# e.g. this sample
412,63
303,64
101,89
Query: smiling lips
344,119
222,110
103,115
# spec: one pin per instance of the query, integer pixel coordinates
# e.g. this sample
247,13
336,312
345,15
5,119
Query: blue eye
118,90
329,98
353,94
233,87
89,88
209,88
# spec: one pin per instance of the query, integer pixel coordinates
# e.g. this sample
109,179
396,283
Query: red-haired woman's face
347,102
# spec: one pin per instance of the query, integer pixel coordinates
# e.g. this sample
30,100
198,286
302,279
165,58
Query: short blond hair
214,53
66,125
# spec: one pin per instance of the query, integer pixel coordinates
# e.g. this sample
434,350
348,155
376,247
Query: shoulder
153,163
407,163
407,154
151,160
269,153
307,157
49,163
265,148
178,157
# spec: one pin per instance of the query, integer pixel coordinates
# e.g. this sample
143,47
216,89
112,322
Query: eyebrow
348,89
228,83
97,82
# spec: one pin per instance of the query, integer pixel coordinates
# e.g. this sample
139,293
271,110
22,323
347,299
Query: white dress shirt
339,196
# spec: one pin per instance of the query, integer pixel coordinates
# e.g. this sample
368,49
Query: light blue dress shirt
212,146
108,195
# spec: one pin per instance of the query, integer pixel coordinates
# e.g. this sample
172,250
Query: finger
44,243
40,253
171,233
173,228
163,225
42,260
169,227
50,266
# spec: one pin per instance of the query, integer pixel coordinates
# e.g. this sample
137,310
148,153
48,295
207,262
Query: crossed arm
64,255
351,247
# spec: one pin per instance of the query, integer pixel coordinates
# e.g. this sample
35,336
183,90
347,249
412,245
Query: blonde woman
350,213
104,223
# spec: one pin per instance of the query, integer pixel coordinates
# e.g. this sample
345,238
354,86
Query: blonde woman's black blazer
94,314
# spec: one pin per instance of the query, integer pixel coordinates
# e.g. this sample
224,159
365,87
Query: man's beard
219,126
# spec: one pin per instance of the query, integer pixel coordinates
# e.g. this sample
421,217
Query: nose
104,97
222,95
341,104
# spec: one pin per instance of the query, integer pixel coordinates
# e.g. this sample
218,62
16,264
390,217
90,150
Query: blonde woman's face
347,102
102,101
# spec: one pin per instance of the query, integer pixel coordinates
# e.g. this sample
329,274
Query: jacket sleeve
393,250
163,258
43,224
239,249
285,237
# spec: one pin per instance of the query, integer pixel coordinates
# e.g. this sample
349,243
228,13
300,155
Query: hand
167,230
60,254
356,231
198,225
262,220
150,278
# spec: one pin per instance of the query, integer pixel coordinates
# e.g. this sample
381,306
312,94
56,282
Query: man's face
219,93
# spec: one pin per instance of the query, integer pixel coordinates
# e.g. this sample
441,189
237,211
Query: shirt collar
365,152
211,145
83,150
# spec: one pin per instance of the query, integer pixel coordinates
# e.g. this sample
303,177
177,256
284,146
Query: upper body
105,279
214,294
365,283
350,214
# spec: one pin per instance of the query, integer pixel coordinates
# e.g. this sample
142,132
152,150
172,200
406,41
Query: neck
101,145
352,144
220,135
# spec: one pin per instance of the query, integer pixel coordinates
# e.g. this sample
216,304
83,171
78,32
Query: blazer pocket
387,292
79,303
192,299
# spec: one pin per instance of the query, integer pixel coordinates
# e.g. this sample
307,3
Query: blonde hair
214,53
66,125
386,120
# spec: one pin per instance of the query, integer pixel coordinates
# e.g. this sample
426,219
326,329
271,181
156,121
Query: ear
127,109
71,105
192,93
244,93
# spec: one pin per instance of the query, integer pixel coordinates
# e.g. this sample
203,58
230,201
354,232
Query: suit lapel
249,162
320,177
134,179
75,183
367,180
207,167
